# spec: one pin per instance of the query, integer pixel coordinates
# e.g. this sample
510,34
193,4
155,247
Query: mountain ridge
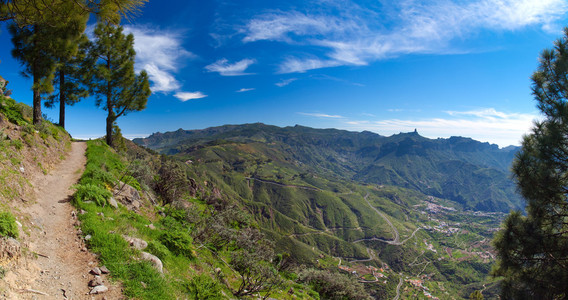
409,160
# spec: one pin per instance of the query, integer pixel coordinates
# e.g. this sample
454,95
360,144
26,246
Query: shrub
17,144
8,225
97,176
91,192
203,287
158,249
132,182
178,242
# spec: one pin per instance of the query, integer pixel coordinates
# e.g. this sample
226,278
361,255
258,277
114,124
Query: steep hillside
369,201
471,173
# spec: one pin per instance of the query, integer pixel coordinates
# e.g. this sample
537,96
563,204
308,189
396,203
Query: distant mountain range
473,174
425,208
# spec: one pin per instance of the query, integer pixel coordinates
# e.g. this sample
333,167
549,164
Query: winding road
400,282
396,240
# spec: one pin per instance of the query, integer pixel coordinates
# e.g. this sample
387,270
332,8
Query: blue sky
444,67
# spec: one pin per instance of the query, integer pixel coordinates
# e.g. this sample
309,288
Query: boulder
127,195
154,260
136,243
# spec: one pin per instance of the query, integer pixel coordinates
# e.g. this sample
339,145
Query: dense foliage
533,249
110,75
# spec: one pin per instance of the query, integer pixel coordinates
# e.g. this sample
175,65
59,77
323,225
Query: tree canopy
56,12
111,77
533,249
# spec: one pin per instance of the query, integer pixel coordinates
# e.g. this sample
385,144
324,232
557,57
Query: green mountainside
473,174
404,214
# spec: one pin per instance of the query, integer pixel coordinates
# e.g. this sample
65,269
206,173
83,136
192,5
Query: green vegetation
472,174
532,249
302,188
209,247
110,75
8,225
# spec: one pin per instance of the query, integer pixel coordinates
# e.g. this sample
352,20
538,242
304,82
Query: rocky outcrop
128,196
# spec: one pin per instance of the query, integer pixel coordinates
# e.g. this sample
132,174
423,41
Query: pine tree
68,76
533,249
33,47
118,89
55,12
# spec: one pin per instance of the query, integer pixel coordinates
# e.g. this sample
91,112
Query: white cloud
320,115
285,82
295,65
161,54
245,90
357,36
185,96
488,125
223,67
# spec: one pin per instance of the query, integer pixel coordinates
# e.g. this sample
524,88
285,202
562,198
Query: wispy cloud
223,67
245,90
185,96
320,115
161,54
356,36
285,82
484,125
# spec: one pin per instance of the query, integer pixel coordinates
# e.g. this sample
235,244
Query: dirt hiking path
57,264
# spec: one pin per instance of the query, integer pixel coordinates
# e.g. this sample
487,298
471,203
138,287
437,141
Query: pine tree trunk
36,97
109,122
62,99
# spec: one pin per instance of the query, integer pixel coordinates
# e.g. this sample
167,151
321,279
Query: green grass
8,225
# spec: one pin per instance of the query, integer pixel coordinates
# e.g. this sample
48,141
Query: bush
132,182
8,225
17,144
158,249
178,242
91,192
203,287
97,176
331,285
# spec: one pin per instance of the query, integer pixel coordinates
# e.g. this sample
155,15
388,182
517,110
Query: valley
399,237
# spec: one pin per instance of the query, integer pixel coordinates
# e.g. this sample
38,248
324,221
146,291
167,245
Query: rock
22,169
96,281
88,237
151,226
154,260
127,195
218,270
136,204
112,202
136,243
104,270
9,248
96,271
19,224
99,290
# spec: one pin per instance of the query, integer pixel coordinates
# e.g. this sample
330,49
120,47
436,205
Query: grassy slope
333,216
